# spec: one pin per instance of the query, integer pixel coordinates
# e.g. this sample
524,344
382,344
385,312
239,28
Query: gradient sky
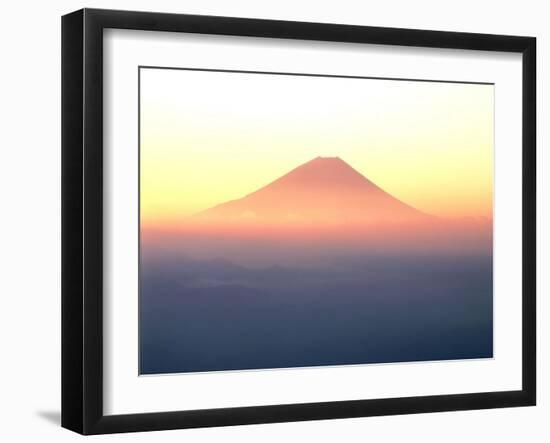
210,137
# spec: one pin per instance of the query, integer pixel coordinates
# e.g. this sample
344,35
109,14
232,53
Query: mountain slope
325,189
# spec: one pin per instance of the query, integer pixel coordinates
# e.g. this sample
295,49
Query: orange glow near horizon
211,137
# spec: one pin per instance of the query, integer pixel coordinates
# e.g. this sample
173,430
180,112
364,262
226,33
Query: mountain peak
328,173
327,162
325,159
322,189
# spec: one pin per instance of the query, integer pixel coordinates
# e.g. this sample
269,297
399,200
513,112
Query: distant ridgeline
325,190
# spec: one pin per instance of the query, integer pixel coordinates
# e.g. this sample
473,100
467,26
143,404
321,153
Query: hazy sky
209,137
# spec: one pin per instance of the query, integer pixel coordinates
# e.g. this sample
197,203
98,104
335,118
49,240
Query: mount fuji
323,190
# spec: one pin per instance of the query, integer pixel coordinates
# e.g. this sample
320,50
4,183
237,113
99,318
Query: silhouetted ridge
325,189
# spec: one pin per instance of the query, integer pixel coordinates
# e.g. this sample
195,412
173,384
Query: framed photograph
269,221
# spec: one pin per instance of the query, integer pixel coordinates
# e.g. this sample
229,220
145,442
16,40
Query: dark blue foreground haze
214,315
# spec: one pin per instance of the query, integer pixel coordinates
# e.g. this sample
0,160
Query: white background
30,222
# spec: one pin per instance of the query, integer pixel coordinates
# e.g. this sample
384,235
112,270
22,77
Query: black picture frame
82,218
